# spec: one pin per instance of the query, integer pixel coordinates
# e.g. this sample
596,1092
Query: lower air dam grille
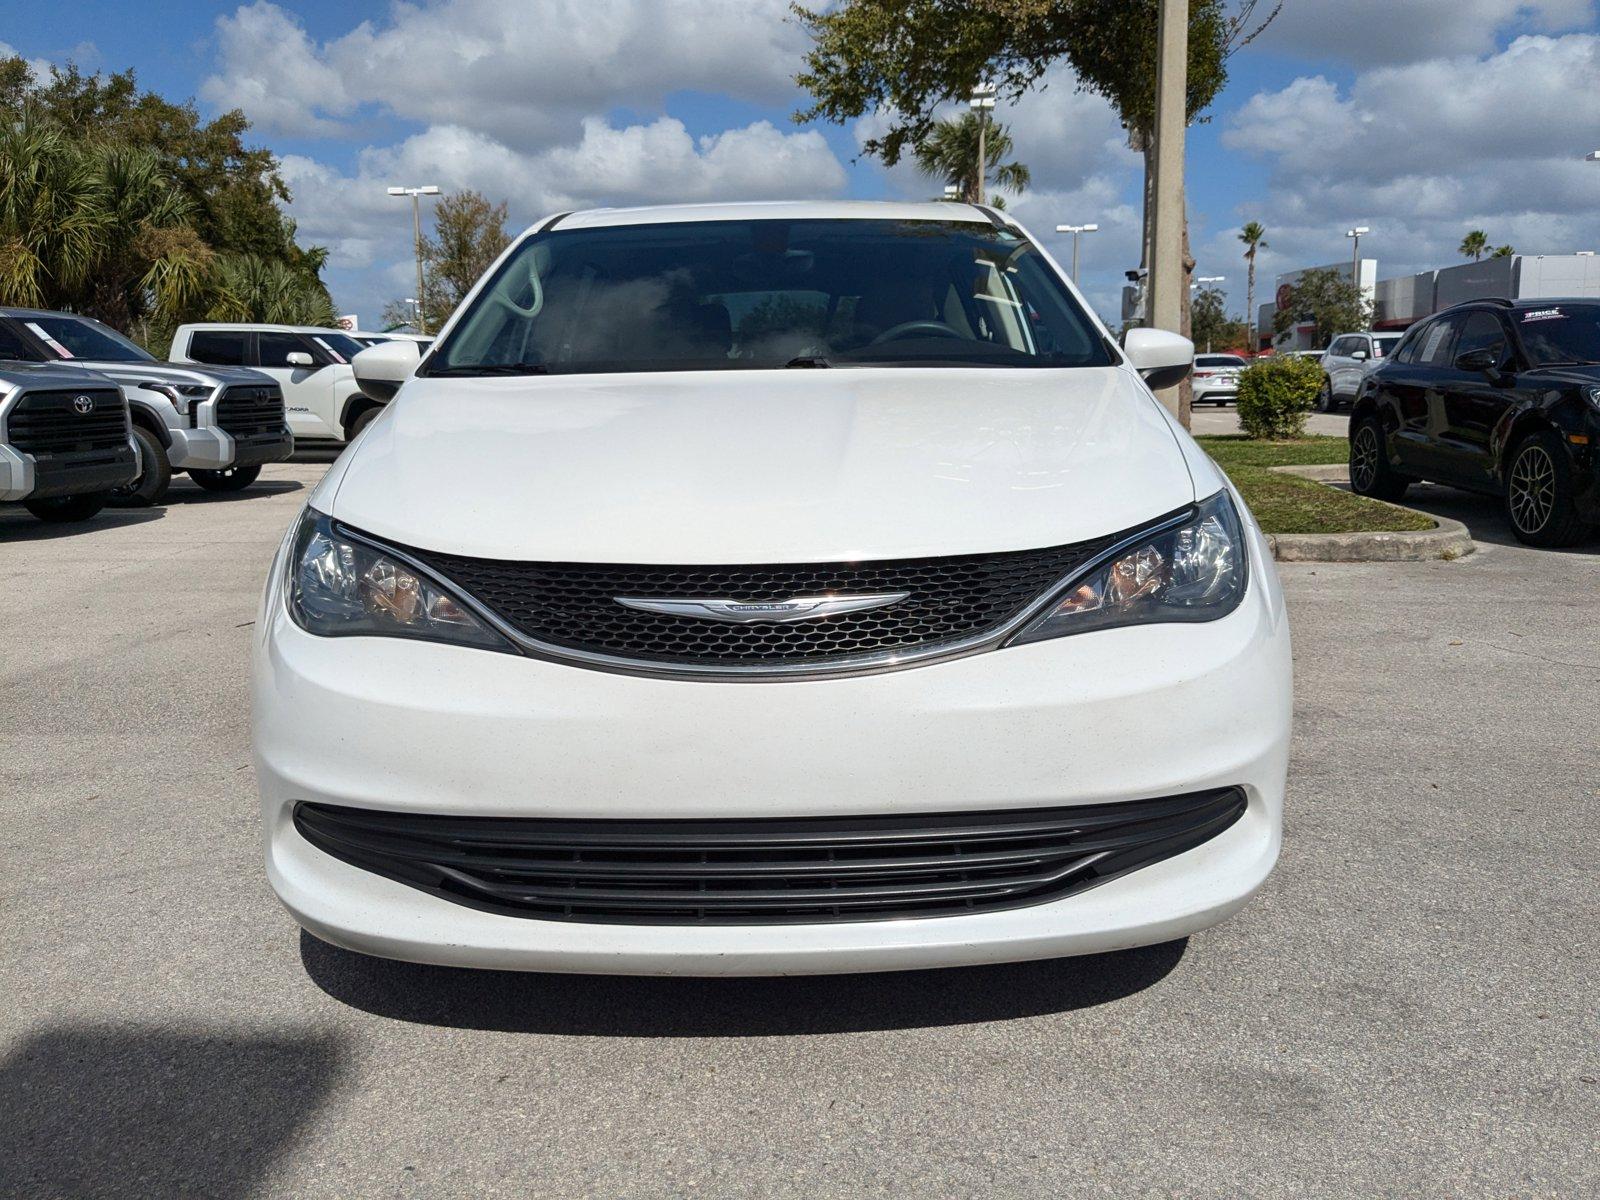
755,872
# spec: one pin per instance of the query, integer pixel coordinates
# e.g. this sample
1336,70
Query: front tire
228,479
1539,494
1370,472
150,485
360,421
61,509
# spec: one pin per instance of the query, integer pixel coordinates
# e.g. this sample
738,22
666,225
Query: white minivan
769,589
310,364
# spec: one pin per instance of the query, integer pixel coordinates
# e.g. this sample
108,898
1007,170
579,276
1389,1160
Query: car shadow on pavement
18,525
626,1006
195,494
130,1110
1484,516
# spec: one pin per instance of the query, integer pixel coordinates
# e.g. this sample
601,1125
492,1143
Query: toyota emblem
83,404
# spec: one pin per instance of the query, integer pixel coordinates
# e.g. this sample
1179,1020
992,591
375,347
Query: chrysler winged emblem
801,608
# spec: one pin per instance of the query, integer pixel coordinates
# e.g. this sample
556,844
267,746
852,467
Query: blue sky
1420,119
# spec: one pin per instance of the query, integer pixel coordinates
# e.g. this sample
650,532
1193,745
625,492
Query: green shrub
1276,395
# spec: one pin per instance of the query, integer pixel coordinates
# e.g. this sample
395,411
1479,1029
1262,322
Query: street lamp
416,231
1355,253
1200,280
982,103
1075,231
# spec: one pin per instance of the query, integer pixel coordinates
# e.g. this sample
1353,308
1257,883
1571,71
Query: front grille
574,605
50,423
756,872
251,411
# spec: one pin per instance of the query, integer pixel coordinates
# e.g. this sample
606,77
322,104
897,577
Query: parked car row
90,418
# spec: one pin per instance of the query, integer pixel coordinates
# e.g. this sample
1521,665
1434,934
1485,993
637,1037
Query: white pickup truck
220,424
310,364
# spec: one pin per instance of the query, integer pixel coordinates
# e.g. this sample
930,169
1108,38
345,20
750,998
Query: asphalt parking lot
1407,1009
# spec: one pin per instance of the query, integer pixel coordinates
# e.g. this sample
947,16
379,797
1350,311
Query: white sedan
1216,378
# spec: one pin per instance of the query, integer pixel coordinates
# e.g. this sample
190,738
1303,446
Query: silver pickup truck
220,424
65,440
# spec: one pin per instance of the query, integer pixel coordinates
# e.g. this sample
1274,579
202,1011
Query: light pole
1355,253
416,232
1166,294
1076,231
1201,280
983,103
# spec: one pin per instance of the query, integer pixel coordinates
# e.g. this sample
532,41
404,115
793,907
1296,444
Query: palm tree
950,154
1505,251
1254,237
1474,245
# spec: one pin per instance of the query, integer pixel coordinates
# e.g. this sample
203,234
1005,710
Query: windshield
1562,333
342,346
1218,360
77,337
767,294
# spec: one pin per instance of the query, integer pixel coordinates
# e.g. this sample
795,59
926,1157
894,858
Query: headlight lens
337,587
1195,572
180,395
1594,398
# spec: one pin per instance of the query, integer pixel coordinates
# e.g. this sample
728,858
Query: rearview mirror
381,369
1164,359
299,358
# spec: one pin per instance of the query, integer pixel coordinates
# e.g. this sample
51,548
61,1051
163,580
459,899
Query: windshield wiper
804,361
516,368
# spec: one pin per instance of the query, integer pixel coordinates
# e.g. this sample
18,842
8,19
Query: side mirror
299,358
1163,359
381,369
1359,355
1485,358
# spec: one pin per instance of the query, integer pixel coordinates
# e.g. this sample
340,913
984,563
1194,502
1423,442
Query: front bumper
27,477
209,448
1122,714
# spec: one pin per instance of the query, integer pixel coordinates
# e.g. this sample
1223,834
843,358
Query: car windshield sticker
337,357
44,337
1542,314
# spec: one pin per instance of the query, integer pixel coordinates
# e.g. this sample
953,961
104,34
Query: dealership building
1400,302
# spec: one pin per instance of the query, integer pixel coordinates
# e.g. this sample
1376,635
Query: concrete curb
1446,540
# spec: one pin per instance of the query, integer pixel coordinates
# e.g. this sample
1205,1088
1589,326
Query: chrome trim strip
867,664
779,612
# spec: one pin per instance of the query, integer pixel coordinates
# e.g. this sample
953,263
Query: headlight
1594,398
181,395
338,587
1195,572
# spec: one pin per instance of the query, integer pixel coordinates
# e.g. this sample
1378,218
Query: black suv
1494,396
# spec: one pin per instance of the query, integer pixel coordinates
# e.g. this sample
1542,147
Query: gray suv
1346,362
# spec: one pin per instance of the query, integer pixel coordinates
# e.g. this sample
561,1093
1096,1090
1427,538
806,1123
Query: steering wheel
924,328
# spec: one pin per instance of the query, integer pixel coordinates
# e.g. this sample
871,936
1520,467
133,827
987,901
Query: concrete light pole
1076,231
983,103
1166,243
1355,253
416,232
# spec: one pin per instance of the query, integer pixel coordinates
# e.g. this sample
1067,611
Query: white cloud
1424,151
39,66
1371,32
521,73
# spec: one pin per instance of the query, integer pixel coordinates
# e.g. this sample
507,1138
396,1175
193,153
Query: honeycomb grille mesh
573,605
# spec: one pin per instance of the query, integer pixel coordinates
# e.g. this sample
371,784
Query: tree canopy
468,235
1328,300
904,58
950,154
120,204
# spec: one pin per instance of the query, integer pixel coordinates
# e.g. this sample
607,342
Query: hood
763,466
166,372
16,374
1580,373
